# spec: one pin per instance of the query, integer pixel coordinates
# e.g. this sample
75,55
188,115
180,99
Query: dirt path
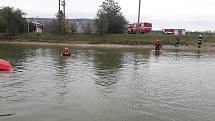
205,46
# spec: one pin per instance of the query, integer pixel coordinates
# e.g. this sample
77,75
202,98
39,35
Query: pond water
97,84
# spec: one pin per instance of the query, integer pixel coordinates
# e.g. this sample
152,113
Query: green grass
131,39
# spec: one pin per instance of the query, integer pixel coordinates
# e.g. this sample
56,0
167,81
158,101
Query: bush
110,18
12,21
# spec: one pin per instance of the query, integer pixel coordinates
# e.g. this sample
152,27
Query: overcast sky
188,14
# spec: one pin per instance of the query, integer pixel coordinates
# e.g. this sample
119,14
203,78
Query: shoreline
205,46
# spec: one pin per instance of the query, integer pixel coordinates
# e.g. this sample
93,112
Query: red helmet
66,50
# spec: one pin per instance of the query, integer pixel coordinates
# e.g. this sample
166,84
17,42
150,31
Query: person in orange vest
66,52
158,46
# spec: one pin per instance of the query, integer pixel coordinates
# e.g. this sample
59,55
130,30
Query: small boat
5,66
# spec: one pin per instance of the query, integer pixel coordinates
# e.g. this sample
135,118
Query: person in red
158,46
66,52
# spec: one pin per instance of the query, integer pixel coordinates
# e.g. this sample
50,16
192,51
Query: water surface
106,85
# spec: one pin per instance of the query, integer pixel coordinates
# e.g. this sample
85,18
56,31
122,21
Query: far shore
205,46
141,41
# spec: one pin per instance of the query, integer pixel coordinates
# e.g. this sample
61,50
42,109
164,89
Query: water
106,85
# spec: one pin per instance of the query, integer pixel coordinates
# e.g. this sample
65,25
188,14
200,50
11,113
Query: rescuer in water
158,46
66,52
199,41
177,41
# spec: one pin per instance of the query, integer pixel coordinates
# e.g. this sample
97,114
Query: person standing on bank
199,41
34,28
177,41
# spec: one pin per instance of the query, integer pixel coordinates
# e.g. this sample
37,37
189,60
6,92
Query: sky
193,15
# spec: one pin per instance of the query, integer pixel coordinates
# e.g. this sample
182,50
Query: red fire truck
143,28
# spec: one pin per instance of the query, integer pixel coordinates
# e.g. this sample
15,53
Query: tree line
12,21
109,20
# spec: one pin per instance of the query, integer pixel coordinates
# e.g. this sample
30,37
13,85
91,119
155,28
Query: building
36,27
83,26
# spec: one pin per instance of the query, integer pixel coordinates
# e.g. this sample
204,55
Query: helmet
200,35
66,49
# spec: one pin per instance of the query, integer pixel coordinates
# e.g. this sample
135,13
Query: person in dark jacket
199,41
34,28
177,41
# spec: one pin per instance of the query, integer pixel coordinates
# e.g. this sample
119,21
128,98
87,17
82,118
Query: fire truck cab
141,28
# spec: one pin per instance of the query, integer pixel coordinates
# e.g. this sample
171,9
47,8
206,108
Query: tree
73,28
102,24
110,14
61,24
88,29
2,22
12,20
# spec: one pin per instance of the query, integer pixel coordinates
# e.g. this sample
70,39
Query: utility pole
59,7
139,16
64,8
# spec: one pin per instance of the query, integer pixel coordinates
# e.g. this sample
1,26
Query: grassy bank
128,39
